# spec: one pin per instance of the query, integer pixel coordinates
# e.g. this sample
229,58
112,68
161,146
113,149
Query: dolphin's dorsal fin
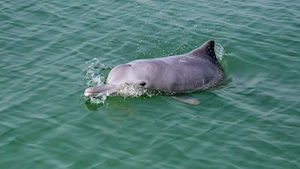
207,49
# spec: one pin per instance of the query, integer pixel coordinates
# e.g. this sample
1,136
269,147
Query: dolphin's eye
142,84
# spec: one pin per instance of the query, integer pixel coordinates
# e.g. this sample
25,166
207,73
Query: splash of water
96,76
220,51
96,72
132,90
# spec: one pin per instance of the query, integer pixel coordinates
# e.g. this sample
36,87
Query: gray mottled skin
198,69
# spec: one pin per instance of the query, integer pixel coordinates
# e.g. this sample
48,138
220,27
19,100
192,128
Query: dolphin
196,70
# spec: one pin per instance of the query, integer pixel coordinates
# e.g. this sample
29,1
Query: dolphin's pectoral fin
186,98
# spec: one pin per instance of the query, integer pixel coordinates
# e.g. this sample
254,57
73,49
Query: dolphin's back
196,70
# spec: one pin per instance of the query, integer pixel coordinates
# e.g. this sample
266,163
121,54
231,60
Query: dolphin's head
121,76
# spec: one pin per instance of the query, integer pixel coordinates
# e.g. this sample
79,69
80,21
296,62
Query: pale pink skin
195,70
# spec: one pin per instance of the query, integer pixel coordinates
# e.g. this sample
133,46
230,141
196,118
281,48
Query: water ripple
249,122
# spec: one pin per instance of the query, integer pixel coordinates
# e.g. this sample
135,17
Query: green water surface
253,121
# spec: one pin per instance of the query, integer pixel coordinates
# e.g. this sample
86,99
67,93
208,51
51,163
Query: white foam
220,51
95,74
